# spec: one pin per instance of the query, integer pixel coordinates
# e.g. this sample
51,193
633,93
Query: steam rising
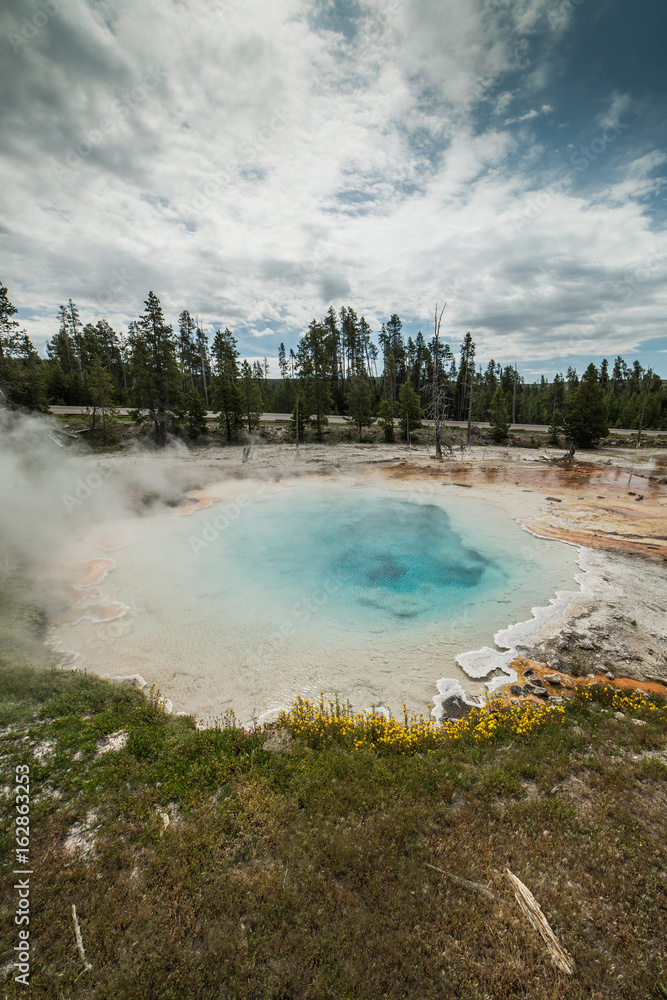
50,490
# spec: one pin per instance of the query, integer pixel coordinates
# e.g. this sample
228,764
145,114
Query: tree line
172,377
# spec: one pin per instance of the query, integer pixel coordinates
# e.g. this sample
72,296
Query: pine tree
204,366
30,386
155,369
500,424
360,401
335,345
282,362
101,388
557,394
225,383
466,376
195,413
397,347
108,346
8,327
76,332
301,414
60,348
188,355
251,396
604,374
386,420
409,410
586,419
389,379
314,364
556,428
22,375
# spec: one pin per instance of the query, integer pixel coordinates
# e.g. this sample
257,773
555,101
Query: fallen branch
531,909
464,881
79,940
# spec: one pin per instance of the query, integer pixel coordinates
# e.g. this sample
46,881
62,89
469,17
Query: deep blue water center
405,549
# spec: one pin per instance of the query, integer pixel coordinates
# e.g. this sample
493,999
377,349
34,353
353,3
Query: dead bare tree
436,394
647,382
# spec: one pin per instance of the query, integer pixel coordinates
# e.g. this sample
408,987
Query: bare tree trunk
647,382
368,360
203,380
436,388
514,396
472,375
78,353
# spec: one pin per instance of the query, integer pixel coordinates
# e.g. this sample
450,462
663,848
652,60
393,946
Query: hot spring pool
301,587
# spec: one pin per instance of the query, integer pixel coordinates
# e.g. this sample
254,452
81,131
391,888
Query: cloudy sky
256,161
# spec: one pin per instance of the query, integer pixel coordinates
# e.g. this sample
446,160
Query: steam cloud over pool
302,587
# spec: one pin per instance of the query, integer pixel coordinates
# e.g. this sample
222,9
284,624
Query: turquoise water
302,587
377,559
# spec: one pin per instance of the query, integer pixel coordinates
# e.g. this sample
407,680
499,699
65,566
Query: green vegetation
360,402
336,368
155,370
21,374
202,865
313,364
227,399
556,428
251,397
409,411
586,420
500,425
386,420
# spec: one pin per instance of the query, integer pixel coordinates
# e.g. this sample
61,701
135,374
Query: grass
304,874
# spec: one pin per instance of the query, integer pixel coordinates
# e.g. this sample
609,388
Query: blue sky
256,161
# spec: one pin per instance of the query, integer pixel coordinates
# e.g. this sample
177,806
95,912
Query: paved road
335,419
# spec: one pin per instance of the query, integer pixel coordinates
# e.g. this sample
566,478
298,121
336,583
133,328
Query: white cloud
276,167
533,113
